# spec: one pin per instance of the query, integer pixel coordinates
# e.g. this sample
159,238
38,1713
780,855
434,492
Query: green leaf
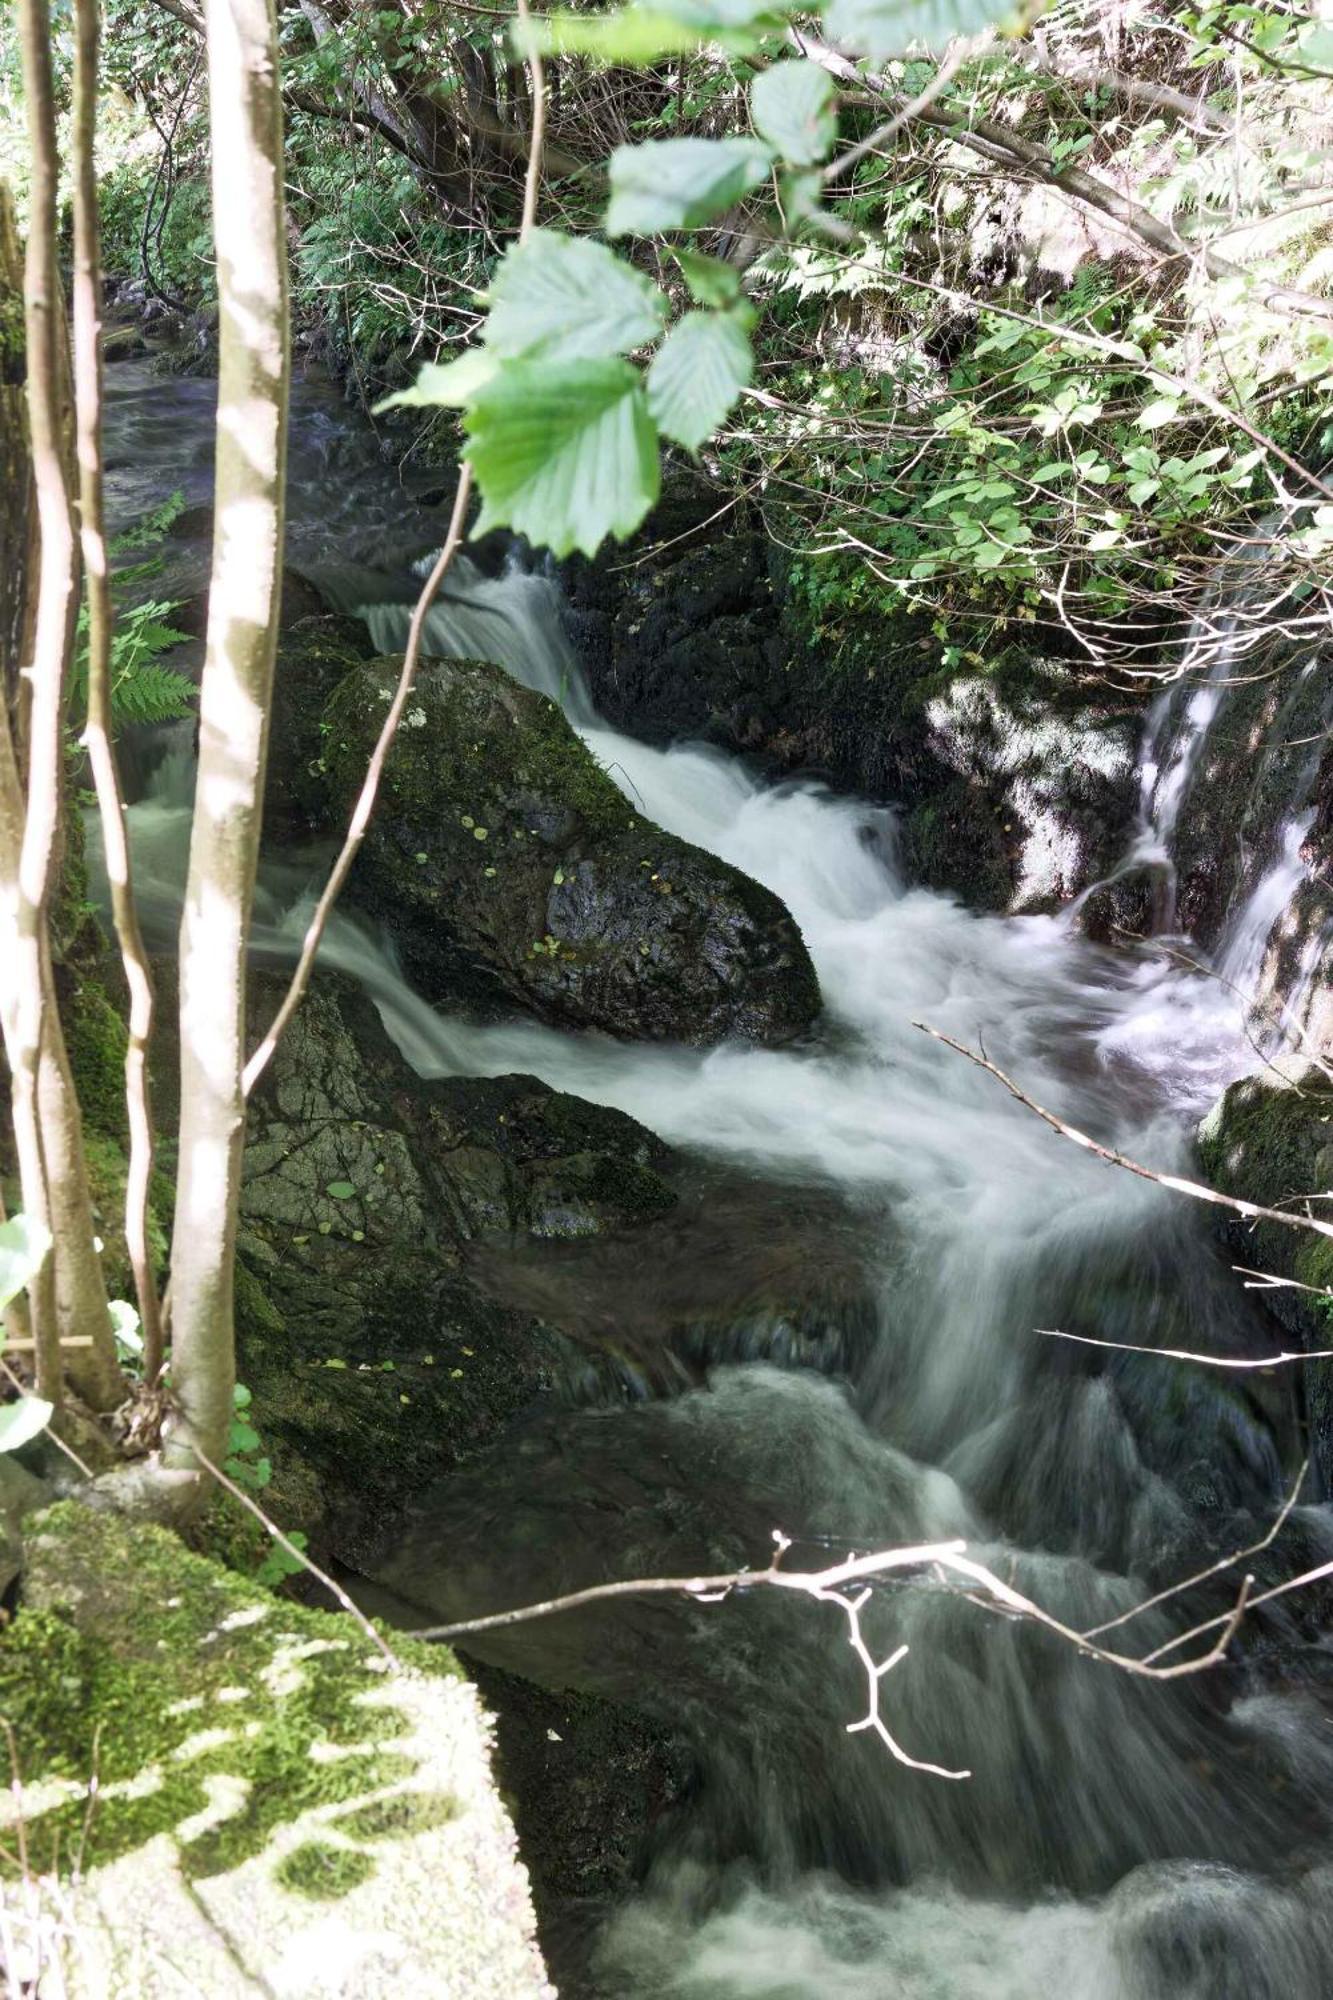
1153,415
565,298
792,107
24,1420
711,282
883,28
565,453
241,1397
696,376
450,385
680,183
243,1437
644,34
340,1190
23,1247
636,36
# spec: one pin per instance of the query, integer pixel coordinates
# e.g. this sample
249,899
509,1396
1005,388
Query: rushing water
1117,1840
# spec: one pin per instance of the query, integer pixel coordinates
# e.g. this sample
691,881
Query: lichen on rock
251,1799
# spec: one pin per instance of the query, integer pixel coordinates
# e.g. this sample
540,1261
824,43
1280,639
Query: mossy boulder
234,1795
1271,1142
504,859
375,1357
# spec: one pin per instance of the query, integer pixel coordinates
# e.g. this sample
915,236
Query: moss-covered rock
1271,1143
502,856
251,1796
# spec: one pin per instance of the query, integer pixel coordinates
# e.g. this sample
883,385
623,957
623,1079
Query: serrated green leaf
792,107
446,385
565,453
680,183
883,28
710,281
696,376
22,1421
242,1437
565,298
23,1247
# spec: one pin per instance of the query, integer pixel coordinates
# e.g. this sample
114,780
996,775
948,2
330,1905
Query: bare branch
1186,1354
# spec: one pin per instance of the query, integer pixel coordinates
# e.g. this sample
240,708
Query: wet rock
1044,791
1270,1141
503,858
374,1356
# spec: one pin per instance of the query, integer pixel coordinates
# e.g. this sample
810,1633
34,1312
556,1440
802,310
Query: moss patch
254,1760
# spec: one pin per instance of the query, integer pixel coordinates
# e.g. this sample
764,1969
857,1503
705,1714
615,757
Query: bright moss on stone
257,1765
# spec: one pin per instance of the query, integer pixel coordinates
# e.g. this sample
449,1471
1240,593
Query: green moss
96,1039
1266,1144
160,1672
324,1872
492,766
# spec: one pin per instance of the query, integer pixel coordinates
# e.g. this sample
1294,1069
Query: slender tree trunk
69,1297
246,126
97,737
18,516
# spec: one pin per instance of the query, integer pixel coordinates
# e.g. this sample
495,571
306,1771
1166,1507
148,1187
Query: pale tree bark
69,1297
18,516
246,127
97,736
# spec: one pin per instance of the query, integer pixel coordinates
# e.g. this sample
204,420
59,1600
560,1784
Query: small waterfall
1119,1841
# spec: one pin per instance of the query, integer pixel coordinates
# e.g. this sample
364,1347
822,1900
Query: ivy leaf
883,28
564,298
24,1420
23,1246
680,183
711,282
696,376
565,453
791,105
445,384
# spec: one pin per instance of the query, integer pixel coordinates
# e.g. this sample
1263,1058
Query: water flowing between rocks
1118,1840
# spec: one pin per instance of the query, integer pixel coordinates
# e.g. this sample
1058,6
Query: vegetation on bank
1035,351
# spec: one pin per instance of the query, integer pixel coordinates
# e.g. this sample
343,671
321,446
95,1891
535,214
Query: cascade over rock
1015,779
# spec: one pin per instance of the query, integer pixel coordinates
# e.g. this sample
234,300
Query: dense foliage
1024,326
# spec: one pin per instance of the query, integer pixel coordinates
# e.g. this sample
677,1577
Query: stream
1117,1840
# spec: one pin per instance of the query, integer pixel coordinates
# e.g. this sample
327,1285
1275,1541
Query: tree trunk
235,697
68,1297
18,517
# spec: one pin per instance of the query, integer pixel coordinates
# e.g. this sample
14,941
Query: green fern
143,691
153,693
